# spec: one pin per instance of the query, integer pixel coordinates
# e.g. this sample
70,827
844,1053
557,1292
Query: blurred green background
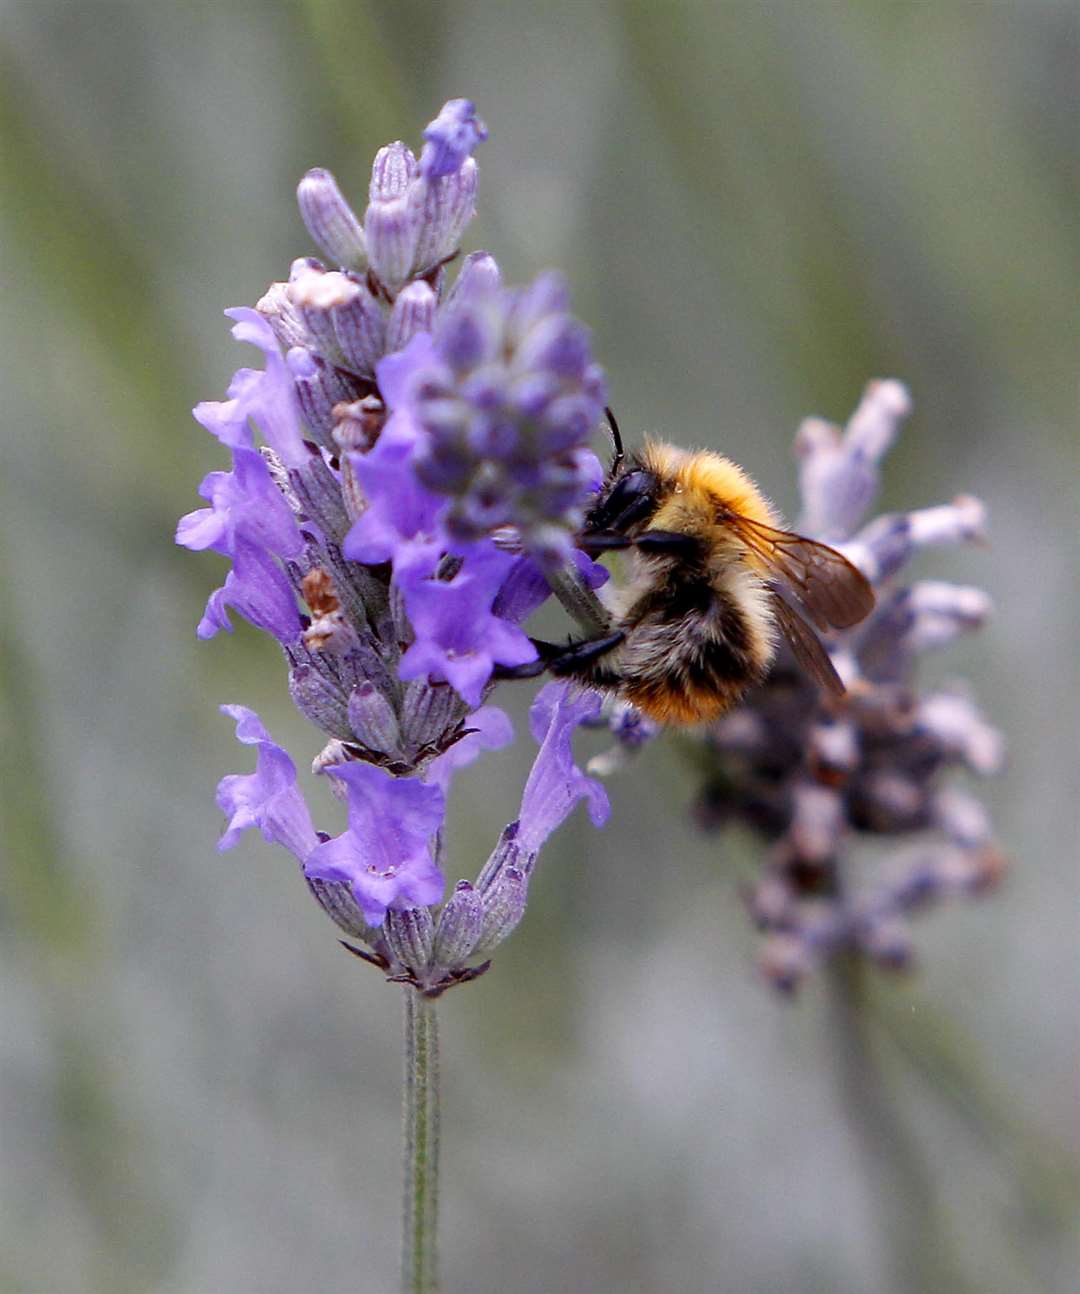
761,206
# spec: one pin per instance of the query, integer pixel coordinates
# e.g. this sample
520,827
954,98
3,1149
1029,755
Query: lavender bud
330,220
478,277
338,902
393,168
277,309
428,711
785,960
469,337
834,749
887,939
318,493
410,934
460,926
320,698
504,906
873,426
392,229
558,345
372,720
962,818
319,387
817,823
959,725
442,209
412,312
314,292
548,294
360,329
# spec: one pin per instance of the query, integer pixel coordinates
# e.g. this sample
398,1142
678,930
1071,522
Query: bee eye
629,501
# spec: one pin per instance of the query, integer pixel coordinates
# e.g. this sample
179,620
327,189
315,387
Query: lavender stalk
420,1141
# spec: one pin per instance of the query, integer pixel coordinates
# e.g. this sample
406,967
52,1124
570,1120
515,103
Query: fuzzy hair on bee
715,582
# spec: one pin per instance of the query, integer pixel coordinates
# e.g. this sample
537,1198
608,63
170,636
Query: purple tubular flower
244,502
490,730
556,783
257,588
458,639
385,855
268,798
451,138
267,398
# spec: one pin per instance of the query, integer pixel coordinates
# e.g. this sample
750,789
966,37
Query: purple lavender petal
457,636
243,502
257,588
451,138
493,730
385,854
526,588
268,397
556,783
268,798
399,508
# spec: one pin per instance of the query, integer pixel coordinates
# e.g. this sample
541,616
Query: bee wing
806,646
834,593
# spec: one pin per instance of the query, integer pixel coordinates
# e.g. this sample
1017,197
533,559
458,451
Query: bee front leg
562,660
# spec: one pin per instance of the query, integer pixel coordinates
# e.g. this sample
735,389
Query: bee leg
602,541
668,543
566,658
574,656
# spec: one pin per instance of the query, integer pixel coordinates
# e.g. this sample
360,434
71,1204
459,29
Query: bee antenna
616,441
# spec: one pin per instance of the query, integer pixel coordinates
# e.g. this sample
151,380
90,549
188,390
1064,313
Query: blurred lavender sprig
814,777
408,419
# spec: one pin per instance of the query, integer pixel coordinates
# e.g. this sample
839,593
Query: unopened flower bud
413,311
373,721
319,698
360,328
504,906
442,209
393,168
330,220
410,934
460,925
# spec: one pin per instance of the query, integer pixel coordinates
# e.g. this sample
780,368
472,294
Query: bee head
626,499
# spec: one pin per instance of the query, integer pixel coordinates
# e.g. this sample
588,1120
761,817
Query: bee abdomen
690,653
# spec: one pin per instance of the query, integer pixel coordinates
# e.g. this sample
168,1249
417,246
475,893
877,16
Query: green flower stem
581,602
915,1238
420,1130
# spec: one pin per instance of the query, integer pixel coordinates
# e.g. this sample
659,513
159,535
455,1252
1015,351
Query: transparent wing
807,647
834,593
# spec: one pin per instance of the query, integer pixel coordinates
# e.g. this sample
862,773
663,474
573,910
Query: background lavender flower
813,778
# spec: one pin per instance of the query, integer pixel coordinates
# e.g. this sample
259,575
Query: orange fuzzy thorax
701,484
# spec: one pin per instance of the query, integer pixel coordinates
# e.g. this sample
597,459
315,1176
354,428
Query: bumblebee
715,582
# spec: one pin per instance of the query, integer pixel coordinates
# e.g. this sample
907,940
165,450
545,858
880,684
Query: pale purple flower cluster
814,777
362,503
